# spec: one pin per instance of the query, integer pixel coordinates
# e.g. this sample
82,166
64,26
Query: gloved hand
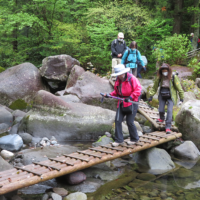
107,95
128,99
150,99
180,102
144,67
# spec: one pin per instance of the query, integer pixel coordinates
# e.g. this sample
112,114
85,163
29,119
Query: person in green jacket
170,88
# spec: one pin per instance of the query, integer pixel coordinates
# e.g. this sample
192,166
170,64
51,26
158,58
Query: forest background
31,30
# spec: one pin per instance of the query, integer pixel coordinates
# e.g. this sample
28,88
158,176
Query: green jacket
174,88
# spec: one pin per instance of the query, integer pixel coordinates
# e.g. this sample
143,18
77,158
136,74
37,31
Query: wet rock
145,83
7,154
68,121
183,173
188,121
45,197
140,118
26,137
147,129
41,154
102,141
11,142
187,150
76,196
6,117
157,160
4,165
75,178
146,177
75,73
70,98
60,191
88,88
19,84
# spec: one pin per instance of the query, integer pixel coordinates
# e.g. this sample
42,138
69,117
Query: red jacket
130,87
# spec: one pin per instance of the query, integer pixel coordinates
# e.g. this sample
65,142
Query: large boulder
56,69
6,117
88,88
66,121
156,160
76,72
19,84
70,98
187,150
145,84
189,96
188,121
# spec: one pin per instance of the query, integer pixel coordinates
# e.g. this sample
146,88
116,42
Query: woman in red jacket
126,86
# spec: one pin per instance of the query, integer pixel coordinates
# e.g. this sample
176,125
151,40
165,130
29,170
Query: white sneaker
130,143
116,144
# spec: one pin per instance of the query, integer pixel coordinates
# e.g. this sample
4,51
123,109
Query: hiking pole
118,98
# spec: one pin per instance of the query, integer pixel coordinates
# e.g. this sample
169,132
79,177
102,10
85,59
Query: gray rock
102,141
197,82
41,154
34,189
57,68
11,142
140,118
68,121
60,93
189,96
4,128
75,73
187,150
26,137
6,117
18,113
76,196
89,186
61,191
157,160
188,121
70,98
56,196
19,84
4,165
147,129
75,178
7,154
145,83
88,88
14,129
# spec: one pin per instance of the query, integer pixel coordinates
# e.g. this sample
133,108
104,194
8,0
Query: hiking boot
116,144
130,142
168,131
159,120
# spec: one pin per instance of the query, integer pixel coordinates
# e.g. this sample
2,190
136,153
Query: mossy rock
154,103
137,183
2,69
19,104
183,173
147,123
146,176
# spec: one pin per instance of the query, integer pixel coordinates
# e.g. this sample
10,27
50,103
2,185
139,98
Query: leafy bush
172,49
196,66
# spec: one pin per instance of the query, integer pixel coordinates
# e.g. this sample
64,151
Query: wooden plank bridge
20,177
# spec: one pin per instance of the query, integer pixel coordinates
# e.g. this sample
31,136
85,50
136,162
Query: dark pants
162,102
139,69
130,122
133,71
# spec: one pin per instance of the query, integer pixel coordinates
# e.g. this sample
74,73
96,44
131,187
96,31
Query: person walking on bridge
169,87
132,58
126,86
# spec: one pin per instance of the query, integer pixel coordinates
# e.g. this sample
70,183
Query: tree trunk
177,16
14,42
196,22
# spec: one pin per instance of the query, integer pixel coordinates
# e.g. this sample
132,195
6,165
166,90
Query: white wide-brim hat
120,69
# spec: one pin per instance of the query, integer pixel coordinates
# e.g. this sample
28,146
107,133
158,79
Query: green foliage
172,49
195,64
189,86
